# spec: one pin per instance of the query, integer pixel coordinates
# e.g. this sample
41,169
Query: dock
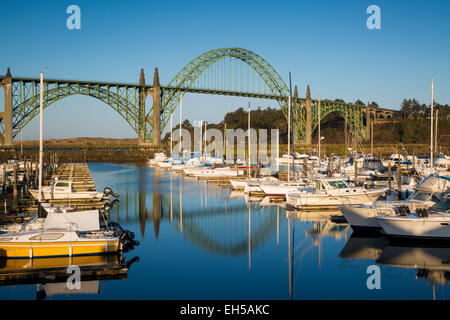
17,204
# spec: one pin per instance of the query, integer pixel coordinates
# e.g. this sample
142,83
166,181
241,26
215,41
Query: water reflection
51,277
430,260
202,241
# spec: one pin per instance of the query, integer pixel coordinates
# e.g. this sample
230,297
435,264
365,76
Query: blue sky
322,43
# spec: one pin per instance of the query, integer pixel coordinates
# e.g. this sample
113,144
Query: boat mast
204,149
201,140
290,128
248,163
41,104
436,132
319,127
171,130
431,117
181,112
289,136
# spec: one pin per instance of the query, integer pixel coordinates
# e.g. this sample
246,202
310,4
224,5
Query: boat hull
360,217
57,249
46,195
416,228
307,200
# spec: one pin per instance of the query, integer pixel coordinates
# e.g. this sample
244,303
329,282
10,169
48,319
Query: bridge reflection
198,212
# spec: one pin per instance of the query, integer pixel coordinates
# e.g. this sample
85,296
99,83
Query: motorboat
62,234
159,157
330,193
63,190
394,159
441,167
254,186
372,168
37,223
432,223
428,192
281,189
242,184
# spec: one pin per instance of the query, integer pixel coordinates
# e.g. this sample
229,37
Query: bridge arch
26,100
354,114
193,70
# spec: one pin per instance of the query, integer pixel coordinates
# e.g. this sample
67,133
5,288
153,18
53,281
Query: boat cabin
331,183
62,186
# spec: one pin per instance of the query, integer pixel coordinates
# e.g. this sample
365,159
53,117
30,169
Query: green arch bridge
228,71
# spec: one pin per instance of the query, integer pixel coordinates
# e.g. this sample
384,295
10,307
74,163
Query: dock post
4,176
305,168
399,183
389,178
15,180
27,175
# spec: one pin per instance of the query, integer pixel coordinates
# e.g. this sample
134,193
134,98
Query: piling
15,169
389,178
4,176
399,183
305,168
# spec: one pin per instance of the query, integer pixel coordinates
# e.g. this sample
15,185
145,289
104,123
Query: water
224,246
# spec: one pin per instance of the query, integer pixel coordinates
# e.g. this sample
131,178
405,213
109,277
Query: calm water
201,241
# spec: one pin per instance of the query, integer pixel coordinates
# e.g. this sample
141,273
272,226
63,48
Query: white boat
242,184
433,223
330,193
281,189
165,164
253,186
159,156
429,191
62,190
62,234
394,159
441,167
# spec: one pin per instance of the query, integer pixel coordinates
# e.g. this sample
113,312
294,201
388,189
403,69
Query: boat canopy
434,184
374,164
87,220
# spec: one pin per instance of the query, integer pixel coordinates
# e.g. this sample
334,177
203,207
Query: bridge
229,71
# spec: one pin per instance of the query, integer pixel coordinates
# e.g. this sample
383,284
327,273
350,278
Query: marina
209,153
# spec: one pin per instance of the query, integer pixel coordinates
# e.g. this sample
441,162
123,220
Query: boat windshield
62,184
421,196
442,207
338,184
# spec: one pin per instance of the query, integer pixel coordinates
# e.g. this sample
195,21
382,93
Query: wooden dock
19,206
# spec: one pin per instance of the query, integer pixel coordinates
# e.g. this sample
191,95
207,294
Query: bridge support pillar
308,116
6,115
141,106
156,93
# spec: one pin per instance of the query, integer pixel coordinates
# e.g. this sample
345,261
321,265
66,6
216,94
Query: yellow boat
62,234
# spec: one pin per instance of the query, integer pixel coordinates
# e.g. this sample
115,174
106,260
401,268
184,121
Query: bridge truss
228,71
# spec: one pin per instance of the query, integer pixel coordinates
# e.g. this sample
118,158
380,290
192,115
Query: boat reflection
432,262
51,275
363,246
